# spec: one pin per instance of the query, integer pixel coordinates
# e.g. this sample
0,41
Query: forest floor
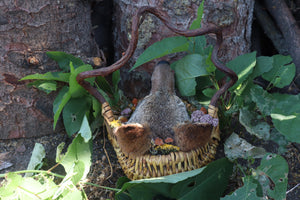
105,168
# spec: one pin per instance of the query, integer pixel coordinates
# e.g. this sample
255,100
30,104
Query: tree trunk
238,14
28,29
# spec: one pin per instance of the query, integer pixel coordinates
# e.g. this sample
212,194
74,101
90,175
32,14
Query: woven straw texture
148,166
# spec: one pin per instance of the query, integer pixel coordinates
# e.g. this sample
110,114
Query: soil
106,170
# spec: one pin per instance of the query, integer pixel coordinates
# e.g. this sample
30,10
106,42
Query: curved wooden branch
133,43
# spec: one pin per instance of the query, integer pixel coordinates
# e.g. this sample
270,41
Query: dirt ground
105,169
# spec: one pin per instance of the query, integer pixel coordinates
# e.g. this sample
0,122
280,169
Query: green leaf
60,101
254,125
46,86
263,65
287,123
243,66
282,72
116,77
73,113
59,155
276,168
209,92
186,70
208,183
197,22
162,48
63,59
246,192
78,152
236,147
10,185
37,156
49,76
77,90
85,129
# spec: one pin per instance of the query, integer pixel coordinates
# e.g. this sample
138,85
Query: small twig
293,188
111,168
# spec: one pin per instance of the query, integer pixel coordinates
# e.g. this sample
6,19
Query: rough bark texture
236,38
28,29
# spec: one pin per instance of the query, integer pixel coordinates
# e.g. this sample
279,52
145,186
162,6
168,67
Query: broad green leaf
59,103
63,59
246,192
236,147
287,123
85,129
254,125
37,156
264,101
32,189
282,72
73,113
280,139
10,185
162,48
73,195
276,168
78,151
208,183
209,92
243,66
186,70
77,90
49,76
263,65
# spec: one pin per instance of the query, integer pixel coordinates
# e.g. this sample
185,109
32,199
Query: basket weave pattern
148,166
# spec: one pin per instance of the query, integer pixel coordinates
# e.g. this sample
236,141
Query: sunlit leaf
37,156
162,48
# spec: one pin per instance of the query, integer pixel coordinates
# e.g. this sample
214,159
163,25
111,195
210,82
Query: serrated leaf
253,125
49,76
162,48
186,70
282,72
73,113
85,129
37,156
63,59
246,192
276,168
59,103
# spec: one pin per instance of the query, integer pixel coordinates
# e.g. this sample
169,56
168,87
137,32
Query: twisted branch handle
133,43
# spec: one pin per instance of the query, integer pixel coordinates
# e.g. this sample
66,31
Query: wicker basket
148,165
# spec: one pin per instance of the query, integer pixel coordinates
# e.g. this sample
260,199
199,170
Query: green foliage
73,101
206,183
39,184
267,180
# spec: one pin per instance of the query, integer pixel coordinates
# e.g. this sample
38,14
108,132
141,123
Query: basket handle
133,43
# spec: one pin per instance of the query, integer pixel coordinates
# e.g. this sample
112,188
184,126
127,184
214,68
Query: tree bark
28,29
238,14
